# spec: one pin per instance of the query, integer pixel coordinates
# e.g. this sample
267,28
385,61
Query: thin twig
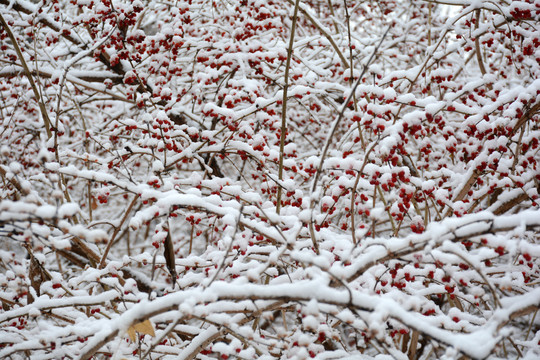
39,99
116,230
284,104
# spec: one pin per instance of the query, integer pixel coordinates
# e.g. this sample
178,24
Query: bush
269,179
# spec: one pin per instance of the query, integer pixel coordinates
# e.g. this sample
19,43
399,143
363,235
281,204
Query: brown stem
116,230
319,26
477,45
28,74
284,104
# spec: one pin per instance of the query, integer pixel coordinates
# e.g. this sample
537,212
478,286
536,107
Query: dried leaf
132,335
34,273
93,203
170,258
144,327
37,276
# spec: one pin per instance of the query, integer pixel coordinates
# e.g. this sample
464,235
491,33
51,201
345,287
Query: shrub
269,179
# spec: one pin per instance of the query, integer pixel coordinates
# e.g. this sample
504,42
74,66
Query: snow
412,209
